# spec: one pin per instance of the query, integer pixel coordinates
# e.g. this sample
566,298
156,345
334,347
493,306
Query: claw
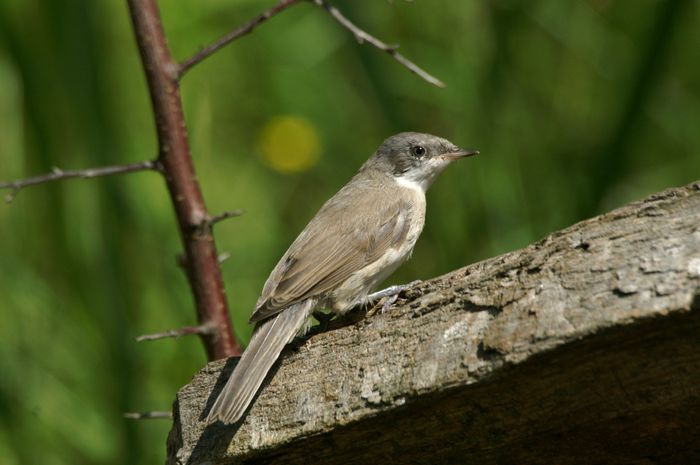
388,302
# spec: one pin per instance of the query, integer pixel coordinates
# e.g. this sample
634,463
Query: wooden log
581,348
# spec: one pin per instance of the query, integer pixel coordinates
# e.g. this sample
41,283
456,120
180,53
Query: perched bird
355,241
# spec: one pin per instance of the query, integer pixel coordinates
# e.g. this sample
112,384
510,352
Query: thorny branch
361,36
202,266
58,174
247,28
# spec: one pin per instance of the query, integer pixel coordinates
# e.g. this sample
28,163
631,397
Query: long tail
267,342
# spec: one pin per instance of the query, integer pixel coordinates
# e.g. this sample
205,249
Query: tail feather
267,342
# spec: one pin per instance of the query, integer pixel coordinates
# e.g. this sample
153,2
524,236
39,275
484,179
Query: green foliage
576,106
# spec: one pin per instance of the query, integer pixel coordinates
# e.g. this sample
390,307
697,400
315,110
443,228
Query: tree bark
581,348
200,259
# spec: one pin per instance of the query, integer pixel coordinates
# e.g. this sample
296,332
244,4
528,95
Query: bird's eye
418,150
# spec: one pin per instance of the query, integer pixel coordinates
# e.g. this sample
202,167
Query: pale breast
409,224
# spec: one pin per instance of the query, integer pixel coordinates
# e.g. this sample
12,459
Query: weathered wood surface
582,348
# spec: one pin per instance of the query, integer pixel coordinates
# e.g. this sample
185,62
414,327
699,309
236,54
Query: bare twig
203,272
184,331
359,34
233,35
363,36
155,415
58,174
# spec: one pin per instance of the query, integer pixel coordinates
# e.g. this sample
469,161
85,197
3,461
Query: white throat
420,178
419,186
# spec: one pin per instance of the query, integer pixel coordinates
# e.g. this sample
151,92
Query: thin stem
362,36
245,29
57,174
184,331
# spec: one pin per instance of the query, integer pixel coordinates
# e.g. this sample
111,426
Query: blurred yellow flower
289,144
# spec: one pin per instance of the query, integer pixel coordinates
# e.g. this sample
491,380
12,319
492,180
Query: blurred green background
577,107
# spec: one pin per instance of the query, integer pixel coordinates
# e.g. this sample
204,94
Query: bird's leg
389,295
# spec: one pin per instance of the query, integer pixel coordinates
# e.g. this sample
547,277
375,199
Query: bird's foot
392,290
387,297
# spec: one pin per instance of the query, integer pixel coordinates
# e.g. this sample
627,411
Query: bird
354,242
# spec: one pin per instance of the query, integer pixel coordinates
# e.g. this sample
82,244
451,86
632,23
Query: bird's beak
461,153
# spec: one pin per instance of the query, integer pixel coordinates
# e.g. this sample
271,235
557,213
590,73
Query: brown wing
356,231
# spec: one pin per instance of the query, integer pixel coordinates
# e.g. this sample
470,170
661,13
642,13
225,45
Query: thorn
212,220
205,225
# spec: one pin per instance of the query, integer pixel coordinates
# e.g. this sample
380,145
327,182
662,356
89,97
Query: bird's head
415,158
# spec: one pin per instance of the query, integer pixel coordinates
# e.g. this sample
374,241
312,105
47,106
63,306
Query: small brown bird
355,241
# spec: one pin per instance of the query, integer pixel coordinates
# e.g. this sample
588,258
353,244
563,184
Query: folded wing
324,255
